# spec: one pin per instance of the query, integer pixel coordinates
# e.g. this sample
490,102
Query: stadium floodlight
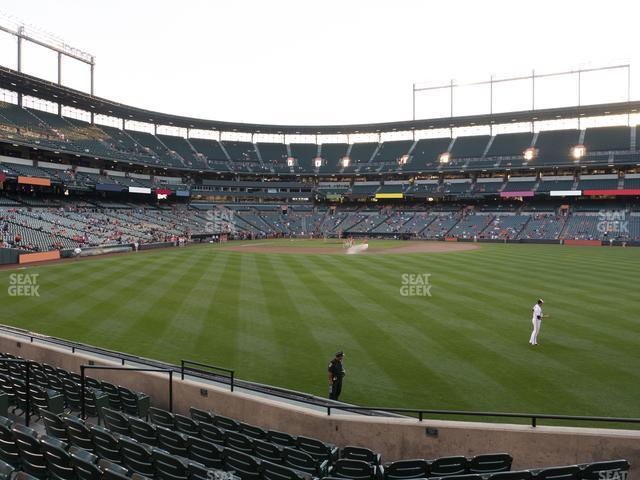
403,160
345,161
578,152
317,162
530,153
445,157
291,161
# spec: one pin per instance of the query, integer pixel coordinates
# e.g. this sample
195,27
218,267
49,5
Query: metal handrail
306,398
533,416
132,369
206,365
27,385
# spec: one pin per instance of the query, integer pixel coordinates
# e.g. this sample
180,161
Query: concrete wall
393,438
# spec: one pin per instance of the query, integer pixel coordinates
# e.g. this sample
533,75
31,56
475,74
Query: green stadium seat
447,466
54,425
198,471
169,467
175,443
112,471
282,438
239,442
360,453
469,476
317,449
105,444
406,469
6,470
92,383
201,415
211,433
268,451
8,447
142,431
207,453
31,453
186,425
94,402
571,472
352,469
84,464
115,421
79,434
136,457
490,463
134,403
162,418
226,423
609,470
23,476
245,466
114,395
272,471
58,459
42,399
253,431
304,462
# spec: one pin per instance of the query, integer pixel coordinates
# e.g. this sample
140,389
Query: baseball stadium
177,285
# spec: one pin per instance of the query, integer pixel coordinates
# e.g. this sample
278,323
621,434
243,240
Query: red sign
612,192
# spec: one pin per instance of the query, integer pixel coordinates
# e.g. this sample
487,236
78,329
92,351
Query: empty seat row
178,450
68,384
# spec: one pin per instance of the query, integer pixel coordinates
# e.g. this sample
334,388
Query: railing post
328,410
232,381
181,369
533,422
27,413
171,390
420,416
123,362
82,410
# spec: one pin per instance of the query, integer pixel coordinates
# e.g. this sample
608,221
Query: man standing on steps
336,373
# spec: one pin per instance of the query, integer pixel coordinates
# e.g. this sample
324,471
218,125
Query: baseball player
537,321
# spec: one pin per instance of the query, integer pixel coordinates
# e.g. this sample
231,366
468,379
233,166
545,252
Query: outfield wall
394,438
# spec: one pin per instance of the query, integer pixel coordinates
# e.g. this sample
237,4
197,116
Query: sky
333,62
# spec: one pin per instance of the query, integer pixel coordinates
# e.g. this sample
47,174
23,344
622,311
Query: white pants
536,329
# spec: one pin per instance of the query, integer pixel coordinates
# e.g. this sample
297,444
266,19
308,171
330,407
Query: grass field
278,319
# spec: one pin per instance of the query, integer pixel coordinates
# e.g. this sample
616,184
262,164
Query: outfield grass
278,319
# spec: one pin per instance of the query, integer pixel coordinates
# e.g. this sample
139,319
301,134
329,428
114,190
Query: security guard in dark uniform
336,373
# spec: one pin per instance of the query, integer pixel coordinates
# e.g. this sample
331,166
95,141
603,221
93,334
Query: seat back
173,442
405,469
317,449
360,453
8,447
136,457
201,415
114,395
253,431
169,467
490,463
211,433
611,470
207,453
31,454
268,451
6,470
245,466
513,475
106,446
79,433
226,423
282,438
239,442
134,403
448,466
142,431
115,421
185,425
57,459
161,418
72,395
571,472
272,471
354,469
54,426
85,468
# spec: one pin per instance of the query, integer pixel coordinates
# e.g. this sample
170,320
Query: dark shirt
336,369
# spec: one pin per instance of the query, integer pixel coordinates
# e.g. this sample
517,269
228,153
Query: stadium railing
301,397
184,367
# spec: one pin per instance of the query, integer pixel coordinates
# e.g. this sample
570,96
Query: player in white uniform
536,320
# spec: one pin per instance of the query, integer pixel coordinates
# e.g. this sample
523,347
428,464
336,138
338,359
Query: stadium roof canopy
32,86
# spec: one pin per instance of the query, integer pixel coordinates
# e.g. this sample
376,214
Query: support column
92,74
60,81
19,37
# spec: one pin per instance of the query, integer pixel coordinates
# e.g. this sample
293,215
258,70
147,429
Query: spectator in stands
336,374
